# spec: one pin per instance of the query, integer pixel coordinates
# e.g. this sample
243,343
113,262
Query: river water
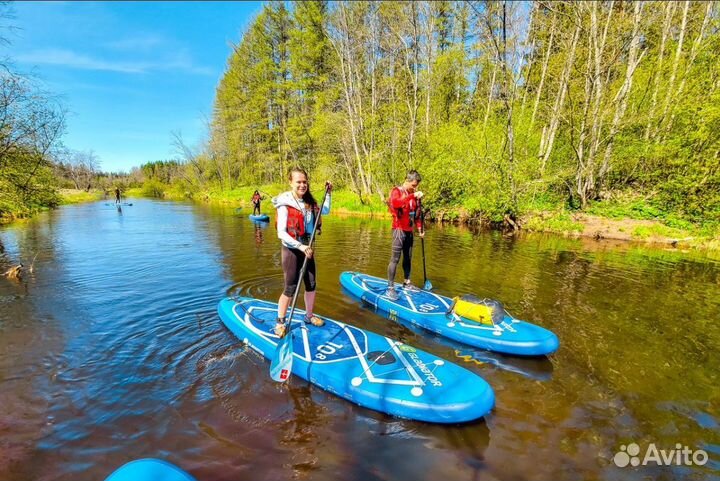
111,350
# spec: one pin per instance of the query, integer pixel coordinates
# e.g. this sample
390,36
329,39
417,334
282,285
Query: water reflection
259,234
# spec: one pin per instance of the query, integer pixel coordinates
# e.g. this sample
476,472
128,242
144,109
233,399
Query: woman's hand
328,186
307,250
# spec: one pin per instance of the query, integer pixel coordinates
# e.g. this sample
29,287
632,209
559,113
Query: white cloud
70,59
140,42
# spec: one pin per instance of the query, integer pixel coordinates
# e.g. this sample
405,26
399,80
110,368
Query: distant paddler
256,198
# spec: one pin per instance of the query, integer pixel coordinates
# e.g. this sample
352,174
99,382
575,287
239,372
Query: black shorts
292,260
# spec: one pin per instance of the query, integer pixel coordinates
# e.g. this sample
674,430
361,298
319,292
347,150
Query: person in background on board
256,198
404,204
297,210
117,195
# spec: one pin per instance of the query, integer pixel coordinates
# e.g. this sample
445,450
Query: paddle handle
304,264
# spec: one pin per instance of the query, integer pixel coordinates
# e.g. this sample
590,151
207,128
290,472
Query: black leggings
256,208
292,260
402,244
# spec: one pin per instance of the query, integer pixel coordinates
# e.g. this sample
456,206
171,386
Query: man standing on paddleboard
297,210
405,209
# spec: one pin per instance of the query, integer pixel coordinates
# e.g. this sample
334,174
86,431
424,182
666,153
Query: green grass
559,222
543,213
342,200
659,231
345,200
636,209
71,196
240,195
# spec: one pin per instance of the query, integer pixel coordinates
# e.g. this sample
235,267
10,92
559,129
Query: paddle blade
281,365
428,285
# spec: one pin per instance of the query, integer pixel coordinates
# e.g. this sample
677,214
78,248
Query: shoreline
560,223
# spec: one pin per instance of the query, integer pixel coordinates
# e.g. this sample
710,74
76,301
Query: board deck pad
364,367
431,311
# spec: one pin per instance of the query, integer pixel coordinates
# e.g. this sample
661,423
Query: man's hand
419,195
307,250
328,186
421,234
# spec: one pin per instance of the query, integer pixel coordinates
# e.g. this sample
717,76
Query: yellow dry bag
484,311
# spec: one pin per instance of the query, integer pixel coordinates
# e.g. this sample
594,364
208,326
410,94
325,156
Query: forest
504,107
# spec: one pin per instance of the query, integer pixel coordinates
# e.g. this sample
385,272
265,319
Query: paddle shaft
422,239
304,264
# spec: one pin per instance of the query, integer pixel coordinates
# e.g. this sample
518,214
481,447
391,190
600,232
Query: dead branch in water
14,272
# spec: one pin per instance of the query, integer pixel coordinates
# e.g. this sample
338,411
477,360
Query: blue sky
130,73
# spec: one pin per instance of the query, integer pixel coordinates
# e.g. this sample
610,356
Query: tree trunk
530,49
673,75
489,100
429,17
351,80
544,71
691,60
622,95
598,94
669,9
559,100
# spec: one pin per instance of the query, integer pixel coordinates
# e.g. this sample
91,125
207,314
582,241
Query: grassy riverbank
626,219
629,218
622,228
343,201
74,196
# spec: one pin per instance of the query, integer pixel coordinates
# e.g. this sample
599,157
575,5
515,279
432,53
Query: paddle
427,285
281,364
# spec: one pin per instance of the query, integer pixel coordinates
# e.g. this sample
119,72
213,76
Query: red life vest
296,222
404,210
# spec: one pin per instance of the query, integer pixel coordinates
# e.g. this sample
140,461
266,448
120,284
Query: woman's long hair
307,197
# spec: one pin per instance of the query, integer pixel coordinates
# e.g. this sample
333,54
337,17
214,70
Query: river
112,349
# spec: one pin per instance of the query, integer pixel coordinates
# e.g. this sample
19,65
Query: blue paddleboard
430,311
149,470
259,217
363,367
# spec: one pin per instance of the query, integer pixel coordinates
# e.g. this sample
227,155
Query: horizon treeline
502,106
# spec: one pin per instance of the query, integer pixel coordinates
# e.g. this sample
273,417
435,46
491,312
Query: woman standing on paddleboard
256,198
297,210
